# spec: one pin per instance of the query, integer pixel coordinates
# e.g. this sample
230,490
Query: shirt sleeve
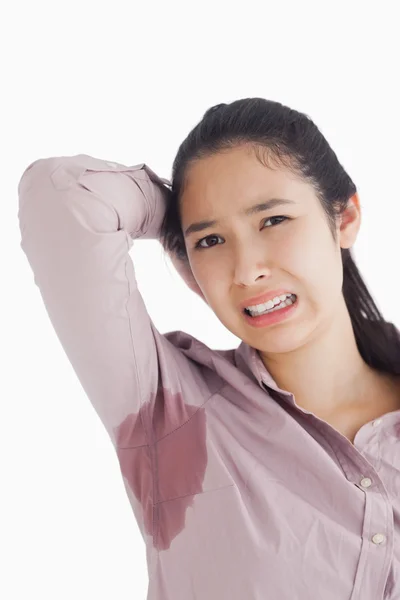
78,218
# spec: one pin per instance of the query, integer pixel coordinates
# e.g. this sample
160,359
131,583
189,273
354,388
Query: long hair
290,138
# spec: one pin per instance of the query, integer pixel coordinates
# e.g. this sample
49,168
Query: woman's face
244,256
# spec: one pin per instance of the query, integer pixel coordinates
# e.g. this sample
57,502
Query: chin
275,340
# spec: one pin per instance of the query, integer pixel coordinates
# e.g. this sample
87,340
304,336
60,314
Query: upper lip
263,298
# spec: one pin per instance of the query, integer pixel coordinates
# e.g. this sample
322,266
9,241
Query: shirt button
376,422
366,482
378,538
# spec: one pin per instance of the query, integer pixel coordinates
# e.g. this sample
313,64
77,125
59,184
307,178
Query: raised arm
78,218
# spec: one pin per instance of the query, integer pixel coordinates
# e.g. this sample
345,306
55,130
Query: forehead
238,176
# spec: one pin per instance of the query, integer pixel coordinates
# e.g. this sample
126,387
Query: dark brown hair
285,136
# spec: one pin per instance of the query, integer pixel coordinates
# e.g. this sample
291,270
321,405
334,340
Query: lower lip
271,318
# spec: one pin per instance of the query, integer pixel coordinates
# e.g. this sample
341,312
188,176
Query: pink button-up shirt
238,492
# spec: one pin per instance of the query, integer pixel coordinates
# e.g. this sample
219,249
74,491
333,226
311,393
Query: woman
265,471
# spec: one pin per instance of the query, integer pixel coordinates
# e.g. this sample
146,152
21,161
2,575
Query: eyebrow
199,226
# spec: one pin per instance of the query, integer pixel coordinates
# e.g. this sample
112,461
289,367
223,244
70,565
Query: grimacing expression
288,246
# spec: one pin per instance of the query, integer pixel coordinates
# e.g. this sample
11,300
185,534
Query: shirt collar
249,361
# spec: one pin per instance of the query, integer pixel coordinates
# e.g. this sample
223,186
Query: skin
312,354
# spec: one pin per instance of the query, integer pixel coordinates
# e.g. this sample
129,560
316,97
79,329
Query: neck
327,374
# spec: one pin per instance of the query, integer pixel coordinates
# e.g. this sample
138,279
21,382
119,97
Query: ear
184,270
350,222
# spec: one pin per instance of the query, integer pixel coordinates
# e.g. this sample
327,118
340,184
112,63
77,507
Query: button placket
377,538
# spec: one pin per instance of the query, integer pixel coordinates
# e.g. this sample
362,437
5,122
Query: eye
198,245
272,218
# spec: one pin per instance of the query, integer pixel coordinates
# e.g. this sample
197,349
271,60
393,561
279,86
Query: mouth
290,300
274,315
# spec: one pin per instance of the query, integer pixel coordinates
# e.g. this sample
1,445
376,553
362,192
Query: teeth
270,304
275,304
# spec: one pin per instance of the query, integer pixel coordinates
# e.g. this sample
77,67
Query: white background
125,82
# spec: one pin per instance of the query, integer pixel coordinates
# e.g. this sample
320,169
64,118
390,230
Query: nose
251,265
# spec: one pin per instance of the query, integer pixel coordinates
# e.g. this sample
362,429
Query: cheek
318,267
211,277
293,258
200,270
